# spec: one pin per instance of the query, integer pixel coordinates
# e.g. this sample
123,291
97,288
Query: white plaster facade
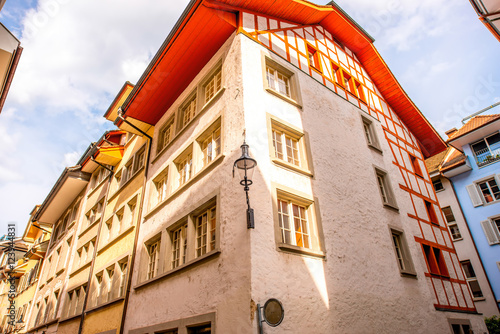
350,284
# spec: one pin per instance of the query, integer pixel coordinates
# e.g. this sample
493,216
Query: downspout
91,271
138,225
474,244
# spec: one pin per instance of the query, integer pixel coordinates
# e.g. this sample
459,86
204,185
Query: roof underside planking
191,45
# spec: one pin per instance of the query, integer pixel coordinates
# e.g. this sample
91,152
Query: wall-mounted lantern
245,165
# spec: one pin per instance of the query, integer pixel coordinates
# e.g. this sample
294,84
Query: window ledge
408,274
212,100
117,191
71,224
291,166
60,271
88,228
438,191
458,239
115,239
478,299
71,317
283,97
301,250
376,148
186,266
76,271
50,279
45,324
186,185
487,164
391,207
95,308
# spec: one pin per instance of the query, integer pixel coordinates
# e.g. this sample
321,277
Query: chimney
450,132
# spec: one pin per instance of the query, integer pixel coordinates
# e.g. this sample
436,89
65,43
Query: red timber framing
206,24
299,32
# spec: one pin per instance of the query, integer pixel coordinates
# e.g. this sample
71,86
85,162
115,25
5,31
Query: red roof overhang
206,25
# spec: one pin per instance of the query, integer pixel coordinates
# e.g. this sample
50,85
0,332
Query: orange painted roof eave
188,47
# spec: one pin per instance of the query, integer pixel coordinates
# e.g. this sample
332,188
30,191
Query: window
385,189
133,165
119,219
358,87
452,224
296,223
487,150
160,189
204,329
188,111
313,57
437,184
165,135
123,266
491,228
278,81
75,300
416,166
109,229
179,246
110,272
337,74
431,212
287,146
402,253
98,176
184,165
205,226
471,279
213,84
211,146
153,255
370,134
460,326
98,289
132,204
435,261
490,191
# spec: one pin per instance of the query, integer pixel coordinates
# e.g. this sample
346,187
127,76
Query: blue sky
77,55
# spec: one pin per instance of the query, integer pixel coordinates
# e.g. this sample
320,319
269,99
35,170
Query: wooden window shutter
474,195
489,231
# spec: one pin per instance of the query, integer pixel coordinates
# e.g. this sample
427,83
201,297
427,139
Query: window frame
185,105
491,193
170,126
416,165
471,279
292,196
436,265
370,131
403,257
182,160
431,213
495,157
155,241
438,180
313,57
207,80
385,189
199,152
451,223
287,129
293,82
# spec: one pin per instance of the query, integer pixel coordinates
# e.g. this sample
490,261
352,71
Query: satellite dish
273,312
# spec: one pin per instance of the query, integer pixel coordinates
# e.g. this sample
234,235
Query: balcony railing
487,156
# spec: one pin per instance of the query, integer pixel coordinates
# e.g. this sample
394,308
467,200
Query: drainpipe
138,225
91,271
474,244
480,111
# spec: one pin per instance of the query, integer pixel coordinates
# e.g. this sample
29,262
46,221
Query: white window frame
272,86
165,135
452,223
205,231
494,154
153,257
212,85
471,279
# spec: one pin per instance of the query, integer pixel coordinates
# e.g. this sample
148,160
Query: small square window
385,189
437,184
313,57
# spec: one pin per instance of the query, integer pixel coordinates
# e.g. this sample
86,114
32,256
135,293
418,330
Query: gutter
337,7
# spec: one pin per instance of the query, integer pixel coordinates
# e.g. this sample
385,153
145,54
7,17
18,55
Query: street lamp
245,165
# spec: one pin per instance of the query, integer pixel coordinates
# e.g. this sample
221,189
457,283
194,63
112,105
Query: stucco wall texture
356,287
